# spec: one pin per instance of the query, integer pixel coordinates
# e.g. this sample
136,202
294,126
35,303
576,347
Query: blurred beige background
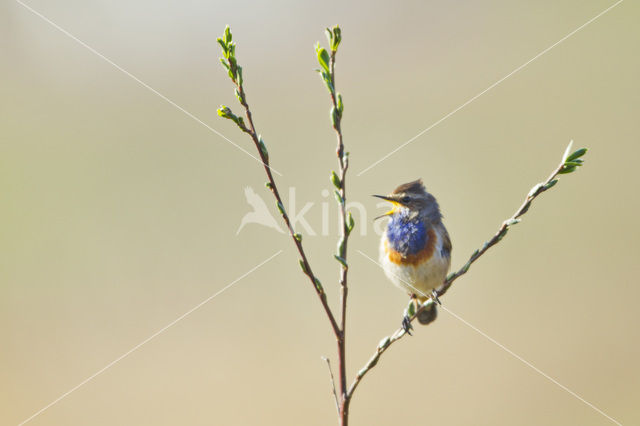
120,212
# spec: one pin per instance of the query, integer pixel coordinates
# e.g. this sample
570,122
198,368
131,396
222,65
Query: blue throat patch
406,236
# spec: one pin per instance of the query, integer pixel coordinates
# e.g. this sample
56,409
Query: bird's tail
428,314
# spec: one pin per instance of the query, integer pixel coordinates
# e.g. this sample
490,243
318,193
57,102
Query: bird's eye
405,199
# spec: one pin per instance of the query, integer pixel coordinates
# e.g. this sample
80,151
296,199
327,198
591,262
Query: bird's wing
446,240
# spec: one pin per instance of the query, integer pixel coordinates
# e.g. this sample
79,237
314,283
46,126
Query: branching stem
343,394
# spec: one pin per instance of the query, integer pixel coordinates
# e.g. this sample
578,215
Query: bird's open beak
392,201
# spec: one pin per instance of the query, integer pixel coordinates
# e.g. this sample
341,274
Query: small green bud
329,35
340,104
577,154
238,96
339,198
525,208
335,180
550,184
304,268
280,208
350,222
384,343
318,285
268,185
263,148
345,159
342,261
503,232
239,74
298,237
223,45
335,117
565,170
512,222
224,112
337,38
240,122
411,309
535,190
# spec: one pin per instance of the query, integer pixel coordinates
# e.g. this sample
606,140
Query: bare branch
235,73
333,383
327,63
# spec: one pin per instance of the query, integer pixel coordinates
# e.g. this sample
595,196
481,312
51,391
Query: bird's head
413,200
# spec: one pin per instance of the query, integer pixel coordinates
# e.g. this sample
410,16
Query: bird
260,213
415,248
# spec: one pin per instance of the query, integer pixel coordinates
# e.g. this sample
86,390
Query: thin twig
333,383
343,163
235,73
566,166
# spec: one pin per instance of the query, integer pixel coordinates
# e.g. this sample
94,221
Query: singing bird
415,249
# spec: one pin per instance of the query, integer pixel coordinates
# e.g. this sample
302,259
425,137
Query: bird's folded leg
406,325
434,296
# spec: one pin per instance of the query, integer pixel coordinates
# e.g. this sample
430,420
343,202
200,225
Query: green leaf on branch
227,35
566,170
329,34
341,246
223,45
323,58
335,37
577,154
327,80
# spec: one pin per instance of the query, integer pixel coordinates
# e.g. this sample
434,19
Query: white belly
416,279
